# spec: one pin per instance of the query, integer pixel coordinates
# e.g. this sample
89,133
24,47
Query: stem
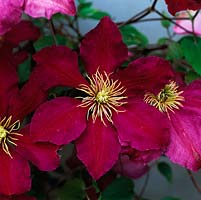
139,15
196,185
173,22
135,18
53,31
145,185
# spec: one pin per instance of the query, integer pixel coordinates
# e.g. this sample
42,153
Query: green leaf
170,198
163,41
131,36
120,189
191,76
24,71
85,10
191,47
165,169
72,190
48,40
165,23
174,51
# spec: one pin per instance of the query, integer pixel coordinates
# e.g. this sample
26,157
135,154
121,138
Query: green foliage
48,40
170,198
72,190
165,169
174,51
165,23
191,47
24,71
120,189
191,76
131,36
86,10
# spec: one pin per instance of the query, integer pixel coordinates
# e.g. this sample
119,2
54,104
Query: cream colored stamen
104,96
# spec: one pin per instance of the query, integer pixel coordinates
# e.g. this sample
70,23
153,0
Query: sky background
125,9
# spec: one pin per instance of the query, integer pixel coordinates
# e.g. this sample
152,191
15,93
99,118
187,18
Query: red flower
22,32
182,106
11,11
133,163
108,112
16,145
175,5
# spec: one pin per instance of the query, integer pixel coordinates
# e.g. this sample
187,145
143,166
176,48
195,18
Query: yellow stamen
6,133
168,99
104,96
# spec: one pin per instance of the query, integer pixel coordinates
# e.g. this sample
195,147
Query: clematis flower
17,147
182,106
106,112
176,6
133,163
24,31
188,24
34,8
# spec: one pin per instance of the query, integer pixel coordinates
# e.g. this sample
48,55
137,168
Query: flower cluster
117,116
35,8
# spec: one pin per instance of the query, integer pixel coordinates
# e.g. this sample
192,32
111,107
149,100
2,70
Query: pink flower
11,10
188,24
106,112
17,147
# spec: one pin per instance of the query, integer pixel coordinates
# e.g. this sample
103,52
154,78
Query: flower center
168,99
7,133
104,96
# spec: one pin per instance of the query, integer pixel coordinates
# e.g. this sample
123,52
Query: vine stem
196,185
139,15
53,31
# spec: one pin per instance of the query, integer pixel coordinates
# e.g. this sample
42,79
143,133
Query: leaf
170,198
24,71
72,190
165,23
191,47
131,36
120,189
174,51
86,10
191,76
165,170
48,40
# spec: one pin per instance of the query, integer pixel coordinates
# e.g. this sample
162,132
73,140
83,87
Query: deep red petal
27,99
8,80
103,48
15,174
57,66
175,6
184,147
24,30
145,74
142,126
98,148
43,155
18,197
58,121
44,8
10,14
130,168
